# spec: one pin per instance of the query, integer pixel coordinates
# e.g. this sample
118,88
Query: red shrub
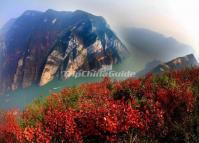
10,131
106,111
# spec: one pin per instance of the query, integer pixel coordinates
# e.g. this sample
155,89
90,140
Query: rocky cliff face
38,47
176,64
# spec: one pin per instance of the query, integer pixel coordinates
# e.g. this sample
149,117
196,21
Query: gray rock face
177,64
38,47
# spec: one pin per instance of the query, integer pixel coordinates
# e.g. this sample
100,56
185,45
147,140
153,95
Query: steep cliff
38,47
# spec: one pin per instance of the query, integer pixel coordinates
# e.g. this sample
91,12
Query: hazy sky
176,18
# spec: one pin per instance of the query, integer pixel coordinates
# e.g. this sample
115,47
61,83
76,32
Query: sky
176,18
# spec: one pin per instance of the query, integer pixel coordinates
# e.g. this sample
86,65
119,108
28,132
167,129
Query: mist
161,16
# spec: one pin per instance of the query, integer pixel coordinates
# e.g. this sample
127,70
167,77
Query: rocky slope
187,61
38,47
176,64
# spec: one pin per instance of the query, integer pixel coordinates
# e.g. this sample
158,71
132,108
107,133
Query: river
22,97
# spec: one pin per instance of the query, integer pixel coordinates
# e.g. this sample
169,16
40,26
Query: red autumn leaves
105,111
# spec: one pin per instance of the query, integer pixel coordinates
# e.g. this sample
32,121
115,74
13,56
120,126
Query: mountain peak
187,61
157,67
42,46
31,12
51,11
82,12
190,56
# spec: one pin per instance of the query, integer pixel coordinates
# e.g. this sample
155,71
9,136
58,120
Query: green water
22,97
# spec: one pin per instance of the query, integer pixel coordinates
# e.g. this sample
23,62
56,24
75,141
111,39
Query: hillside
177,64
158,108
157,67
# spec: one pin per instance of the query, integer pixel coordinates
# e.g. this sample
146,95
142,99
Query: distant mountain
153,45
38,47
148,68
176,64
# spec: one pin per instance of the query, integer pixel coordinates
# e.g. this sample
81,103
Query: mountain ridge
42,46
187,61
153,45
179,63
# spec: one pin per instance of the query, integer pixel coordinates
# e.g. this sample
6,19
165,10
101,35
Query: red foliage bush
106,111
10,131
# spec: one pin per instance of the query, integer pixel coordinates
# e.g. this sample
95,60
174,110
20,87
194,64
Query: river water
22,97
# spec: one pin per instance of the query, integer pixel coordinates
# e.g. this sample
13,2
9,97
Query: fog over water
176,18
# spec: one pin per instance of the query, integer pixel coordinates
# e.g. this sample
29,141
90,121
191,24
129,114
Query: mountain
148,67
38,47
153,45
187,61
177,64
